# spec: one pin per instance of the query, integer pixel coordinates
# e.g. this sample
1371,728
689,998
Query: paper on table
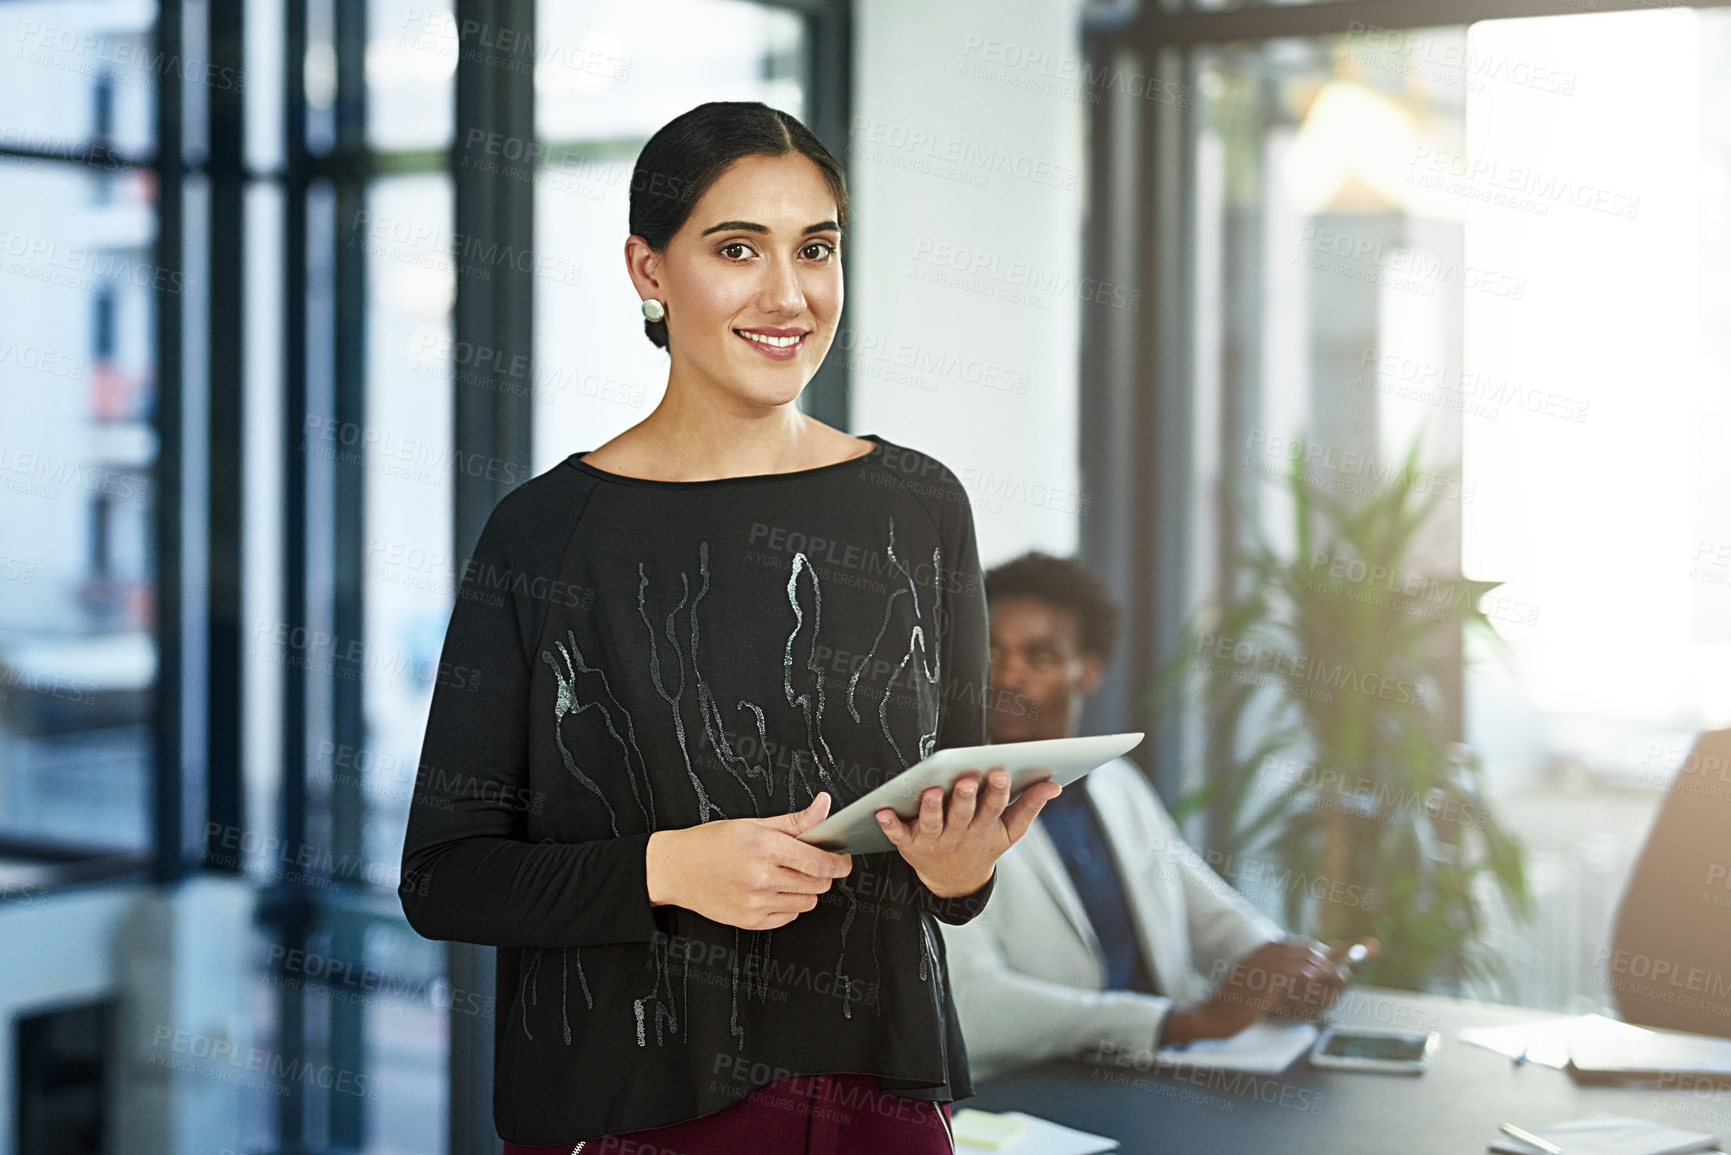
1648,1053
1611,1135
1044,1137
1546,1041
1266,1047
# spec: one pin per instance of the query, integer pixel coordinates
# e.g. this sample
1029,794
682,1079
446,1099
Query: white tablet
854,829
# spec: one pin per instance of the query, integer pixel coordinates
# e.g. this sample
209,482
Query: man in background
1104,923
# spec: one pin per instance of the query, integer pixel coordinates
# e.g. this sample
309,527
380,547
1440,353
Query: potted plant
1326,739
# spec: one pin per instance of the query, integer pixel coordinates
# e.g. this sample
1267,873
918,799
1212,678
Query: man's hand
1296,978
753,873
1316,983
955,854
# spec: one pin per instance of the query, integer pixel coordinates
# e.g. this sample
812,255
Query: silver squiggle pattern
583,981
565,703
842,980
763,745
804,689
883,626
628,743
564,976
713,729
813,716
662,1012
528,988
733,1027
704,805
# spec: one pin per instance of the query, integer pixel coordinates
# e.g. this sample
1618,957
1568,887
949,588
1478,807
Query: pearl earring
653,310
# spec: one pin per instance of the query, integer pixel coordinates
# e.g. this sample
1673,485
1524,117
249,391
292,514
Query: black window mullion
168,863
287,903
1115,539
224,747
347,1115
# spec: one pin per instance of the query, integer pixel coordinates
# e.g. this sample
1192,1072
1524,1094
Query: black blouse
628,655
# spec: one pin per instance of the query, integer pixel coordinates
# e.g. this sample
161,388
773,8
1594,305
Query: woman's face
752,281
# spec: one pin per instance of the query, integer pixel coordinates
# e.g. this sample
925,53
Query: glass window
333,979
263,84
621,71
596,374
1315,250
77,656
361,994
412,49
1598,413
86,73
409,583
263,524
1502,240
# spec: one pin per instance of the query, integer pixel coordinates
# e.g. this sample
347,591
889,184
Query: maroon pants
802,1115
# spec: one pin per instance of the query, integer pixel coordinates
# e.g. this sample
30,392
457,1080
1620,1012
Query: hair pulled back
690,152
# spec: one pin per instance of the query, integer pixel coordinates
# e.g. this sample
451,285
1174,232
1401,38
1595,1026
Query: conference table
1453,1107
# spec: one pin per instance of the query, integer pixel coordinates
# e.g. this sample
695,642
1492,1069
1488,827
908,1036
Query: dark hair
688,153
1061,582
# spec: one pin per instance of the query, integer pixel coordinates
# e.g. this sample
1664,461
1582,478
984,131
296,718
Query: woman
686,647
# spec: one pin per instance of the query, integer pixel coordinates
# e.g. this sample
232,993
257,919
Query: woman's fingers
997,795
786,850
974,801
931,812
962,803
789,881
1020,815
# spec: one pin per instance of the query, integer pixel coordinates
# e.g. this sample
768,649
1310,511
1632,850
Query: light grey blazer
1028,972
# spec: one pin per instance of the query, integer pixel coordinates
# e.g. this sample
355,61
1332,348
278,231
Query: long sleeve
965,654
965,647
957,910
1011,1019
469,872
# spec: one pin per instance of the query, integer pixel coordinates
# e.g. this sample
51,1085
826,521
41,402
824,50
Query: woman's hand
955,854
753,873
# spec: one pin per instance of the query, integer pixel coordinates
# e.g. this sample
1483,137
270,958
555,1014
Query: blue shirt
1074,827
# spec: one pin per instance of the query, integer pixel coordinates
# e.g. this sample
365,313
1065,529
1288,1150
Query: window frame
1137,377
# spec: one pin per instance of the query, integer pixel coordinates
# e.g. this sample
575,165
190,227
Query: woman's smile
771,346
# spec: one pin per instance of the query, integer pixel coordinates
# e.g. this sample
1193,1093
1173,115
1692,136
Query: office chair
1670,958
